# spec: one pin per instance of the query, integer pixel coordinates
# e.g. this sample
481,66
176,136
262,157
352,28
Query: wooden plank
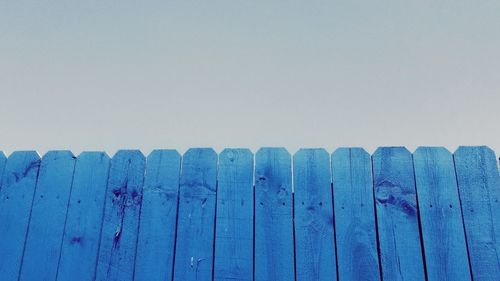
479,189
440,215
48,215
313,209
155,246
234,223
121,217
16,196
83,223
355,228
397,215
196,217
3,160
274,247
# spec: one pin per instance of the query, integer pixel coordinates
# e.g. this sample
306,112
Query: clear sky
104,75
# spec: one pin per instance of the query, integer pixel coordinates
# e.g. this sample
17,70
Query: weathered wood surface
196,218
17,188
80,243
430,215
397,215
314,237
234,222
440,214
155,247
48,217
479,187
355,228
274,247
121,217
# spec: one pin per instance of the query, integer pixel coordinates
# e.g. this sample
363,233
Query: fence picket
118,240
234,228
196,216
48,216
155,246
355,229
274,247
85,211
479,189
397,215
313,212
439,207
16,196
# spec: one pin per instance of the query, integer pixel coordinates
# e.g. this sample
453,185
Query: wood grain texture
155,246
196,217
355,227
479,189
85,212
48,216
118,241
313,209
274,246
17,188
397,215
234,223
440,215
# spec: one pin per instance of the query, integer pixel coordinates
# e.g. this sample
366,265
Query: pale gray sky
104,75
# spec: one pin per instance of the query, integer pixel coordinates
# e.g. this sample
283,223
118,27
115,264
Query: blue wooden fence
430,215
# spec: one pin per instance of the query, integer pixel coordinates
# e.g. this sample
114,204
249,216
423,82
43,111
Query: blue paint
3,160
48,216
16,196
397,215
274,247
196,218
313,209
234,229
121,217
83,223
440,215
355,228
155,246
479,187
90,218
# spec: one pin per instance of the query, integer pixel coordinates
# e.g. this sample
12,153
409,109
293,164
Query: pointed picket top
307,152
475,148
231,154
164,152
426,149
162,162
56,154
128,153
342,150
205,153
401,150
276,150
91,154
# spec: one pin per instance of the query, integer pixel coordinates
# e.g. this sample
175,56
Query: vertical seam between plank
102,219
379,254
29,220
463,220
333,217
292,187
177,216
424,261
66,218
139,215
